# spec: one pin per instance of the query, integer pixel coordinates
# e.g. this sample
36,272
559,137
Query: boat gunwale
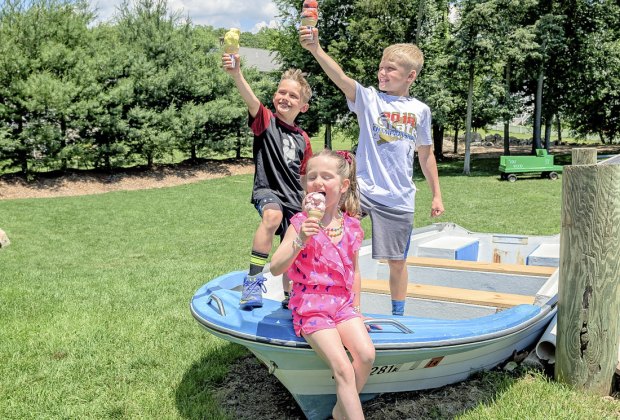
545,310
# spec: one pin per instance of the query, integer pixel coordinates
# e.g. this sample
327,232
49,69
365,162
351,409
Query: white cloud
249,15
260,25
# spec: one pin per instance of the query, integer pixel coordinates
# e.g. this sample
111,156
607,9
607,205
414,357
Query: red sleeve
307,154
260,123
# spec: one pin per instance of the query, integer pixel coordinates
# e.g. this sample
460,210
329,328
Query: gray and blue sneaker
252,294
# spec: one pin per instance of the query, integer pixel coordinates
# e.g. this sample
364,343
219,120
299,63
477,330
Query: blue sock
398,307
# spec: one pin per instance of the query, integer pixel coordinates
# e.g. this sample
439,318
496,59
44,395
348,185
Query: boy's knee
397,264
272,219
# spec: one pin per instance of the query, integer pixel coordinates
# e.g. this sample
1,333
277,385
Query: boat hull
436,347
394,370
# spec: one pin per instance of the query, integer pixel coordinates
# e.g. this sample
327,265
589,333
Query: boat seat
530,270
451,294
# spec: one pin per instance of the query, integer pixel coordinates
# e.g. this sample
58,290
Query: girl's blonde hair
350,200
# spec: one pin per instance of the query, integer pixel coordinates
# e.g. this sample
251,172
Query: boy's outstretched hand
309,37
227,63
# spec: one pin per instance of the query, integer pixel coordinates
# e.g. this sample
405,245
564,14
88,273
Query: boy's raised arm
309,39
242,85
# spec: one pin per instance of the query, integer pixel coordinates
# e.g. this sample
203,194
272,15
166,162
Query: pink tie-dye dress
322,276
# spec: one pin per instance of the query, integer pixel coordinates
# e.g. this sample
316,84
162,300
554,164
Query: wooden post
583,156
589,290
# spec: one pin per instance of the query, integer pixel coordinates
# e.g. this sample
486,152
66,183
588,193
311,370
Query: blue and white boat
473,300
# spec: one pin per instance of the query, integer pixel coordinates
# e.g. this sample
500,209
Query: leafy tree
264,38
592,68
355,34
514,42
474,53
44,42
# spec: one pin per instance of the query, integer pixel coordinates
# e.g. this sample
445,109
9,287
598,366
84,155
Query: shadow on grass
195,393
248,391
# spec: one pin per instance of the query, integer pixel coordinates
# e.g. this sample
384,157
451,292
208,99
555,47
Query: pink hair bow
346,155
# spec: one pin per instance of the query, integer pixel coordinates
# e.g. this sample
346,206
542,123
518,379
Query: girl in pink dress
321,259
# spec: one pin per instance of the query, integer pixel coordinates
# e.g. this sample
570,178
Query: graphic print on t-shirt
393,126
288,149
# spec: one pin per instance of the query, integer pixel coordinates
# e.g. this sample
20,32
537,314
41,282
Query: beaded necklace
335,231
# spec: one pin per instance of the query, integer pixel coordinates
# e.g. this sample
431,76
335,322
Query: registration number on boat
379,370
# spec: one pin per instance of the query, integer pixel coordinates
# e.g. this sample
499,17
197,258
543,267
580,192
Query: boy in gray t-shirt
393,125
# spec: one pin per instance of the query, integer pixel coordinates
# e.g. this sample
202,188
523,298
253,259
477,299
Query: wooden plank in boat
532,270
451,294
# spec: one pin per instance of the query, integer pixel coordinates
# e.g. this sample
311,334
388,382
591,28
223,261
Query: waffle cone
308,22
317,214
231,49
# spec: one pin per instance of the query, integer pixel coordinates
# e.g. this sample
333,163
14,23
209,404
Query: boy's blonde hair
296,75
408,55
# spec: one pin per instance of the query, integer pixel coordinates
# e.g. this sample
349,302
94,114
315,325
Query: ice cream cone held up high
314,205
231,43
310,13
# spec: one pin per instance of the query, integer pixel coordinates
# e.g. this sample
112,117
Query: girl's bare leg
329,347
355,338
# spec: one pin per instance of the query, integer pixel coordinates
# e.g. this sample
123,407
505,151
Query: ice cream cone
310,15
309,21
317,214
314,205
231,44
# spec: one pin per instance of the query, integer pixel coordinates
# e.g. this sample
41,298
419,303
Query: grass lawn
94,303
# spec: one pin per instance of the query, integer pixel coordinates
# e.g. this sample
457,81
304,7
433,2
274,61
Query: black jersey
280,153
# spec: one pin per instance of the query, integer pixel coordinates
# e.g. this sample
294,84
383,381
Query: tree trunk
538,115
23,158
63,143
238,148
507,118
507,138
328,136
548,128
559,129
438,141
470,101
192,153
420,18
456,139
22,154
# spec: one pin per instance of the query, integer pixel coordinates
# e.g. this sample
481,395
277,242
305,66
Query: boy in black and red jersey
280,152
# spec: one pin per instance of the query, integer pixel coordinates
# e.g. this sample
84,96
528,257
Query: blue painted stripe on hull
272,324
319,407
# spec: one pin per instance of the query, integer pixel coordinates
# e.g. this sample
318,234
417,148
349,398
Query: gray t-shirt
391,127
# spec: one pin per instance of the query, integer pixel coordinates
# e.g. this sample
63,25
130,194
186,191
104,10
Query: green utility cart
510,166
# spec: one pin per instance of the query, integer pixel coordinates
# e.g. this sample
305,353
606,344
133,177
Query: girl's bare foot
336,412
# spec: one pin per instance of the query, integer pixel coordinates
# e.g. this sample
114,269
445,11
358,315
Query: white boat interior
457,274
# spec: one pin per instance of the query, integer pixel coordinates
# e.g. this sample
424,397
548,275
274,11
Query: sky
248,15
